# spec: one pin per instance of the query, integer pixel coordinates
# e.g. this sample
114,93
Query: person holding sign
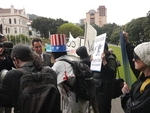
104,81
136,99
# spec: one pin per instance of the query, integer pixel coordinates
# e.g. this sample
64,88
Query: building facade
13,21
98,17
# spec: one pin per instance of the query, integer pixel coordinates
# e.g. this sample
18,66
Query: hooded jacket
83,54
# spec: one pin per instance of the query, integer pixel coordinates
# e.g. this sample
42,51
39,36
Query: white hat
143,52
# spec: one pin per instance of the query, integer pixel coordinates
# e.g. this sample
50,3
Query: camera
7,46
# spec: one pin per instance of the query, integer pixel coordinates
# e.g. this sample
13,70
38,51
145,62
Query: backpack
118,81
38,93
84,87
145,83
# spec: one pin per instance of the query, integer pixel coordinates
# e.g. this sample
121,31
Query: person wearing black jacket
23,57
86,58
133,100
104,81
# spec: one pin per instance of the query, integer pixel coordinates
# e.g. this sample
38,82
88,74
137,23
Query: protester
135,101
6,62
104,81
38,48
23,57
86,58
82,53
65,77
112,53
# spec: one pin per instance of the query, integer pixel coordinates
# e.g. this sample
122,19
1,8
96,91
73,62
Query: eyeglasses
135,57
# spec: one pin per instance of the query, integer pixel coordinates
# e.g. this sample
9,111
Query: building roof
92,11
8,10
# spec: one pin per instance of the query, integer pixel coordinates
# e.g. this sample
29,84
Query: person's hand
103,57
126,36
125,88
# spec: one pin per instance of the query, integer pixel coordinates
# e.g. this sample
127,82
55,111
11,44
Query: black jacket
9,89
7,63
134,101
104,80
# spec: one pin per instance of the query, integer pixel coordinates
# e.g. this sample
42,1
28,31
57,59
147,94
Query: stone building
98,17
13,21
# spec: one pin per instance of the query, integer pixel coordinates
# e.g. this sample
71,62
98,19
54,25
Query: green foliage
69,27
46,25
138,30
19,39
117,52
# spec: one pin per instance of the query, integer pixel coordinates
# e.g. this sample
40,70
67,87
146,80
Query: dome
92,11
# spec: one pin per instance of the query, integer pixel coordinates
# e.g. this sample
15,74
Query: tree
69,27
46,25
98,29
136,28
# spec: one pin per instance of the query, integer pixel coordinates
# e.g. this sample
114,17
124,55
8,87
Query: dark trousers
94,105
104,102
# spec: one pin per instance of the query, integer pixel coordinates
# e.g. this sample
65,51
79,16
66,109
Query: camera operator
6,62
5,51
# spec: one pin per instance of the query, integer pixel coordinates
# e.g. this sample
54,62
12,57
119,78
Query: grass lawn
117,51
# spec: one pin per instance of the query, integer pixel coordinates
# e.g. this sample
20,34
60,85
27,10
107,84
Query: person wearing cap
38,48
135,100
65,76
105,81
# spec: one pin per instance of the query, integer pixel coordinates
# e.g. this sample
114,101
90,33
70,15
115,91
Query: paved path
116,106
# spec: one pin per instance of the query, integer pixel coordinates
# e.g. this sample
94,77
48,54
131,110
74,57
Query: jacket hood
82,52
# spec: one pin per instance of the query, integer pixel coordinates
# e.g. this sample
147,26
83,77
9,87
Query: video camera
7,46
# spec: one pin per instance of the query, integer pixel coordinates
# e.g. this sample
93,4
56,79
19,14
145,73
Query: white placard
99,44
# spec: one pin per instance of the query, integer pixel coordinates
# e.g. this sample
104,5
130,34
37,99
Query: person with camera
5,51
6,62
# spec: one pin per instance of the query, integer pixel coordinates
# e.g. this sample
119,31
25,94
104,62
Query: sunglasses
135,57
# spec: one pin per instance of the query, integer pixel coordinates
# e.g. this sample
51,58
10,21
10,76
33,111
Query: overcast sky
118,11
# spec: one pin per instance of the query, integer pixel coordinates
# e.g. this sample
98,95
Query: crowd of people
135,99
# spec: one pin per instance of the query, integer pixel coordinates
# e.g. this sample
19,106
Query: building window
14,20
92,21
6,29
10,21
15,30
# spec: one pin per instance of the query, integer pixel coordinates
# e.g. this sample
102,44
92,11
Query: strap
118,72
145,83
